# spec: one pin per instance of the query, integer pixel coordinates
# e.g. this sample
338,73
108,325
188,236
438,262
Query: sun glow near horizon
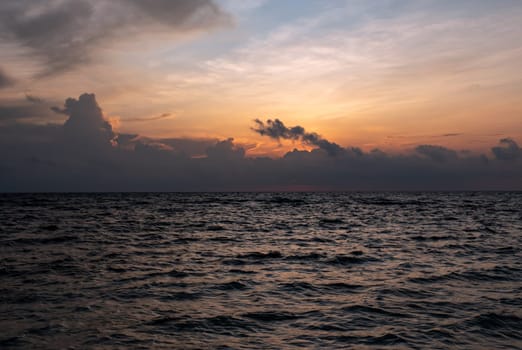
373,76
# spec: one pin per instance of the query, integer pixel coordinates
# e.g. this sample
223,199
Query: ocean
261,271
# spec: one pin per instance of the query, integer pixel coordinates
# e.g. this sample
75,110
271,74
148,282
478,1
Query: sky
260,95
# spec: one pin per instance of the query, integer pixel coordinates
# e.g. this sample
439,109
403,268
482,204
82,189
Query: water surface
261,270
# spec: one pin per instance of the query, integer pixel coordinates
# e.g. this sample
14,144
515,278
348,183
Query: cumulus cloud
507,150
67,33
86,123
85,154
277,130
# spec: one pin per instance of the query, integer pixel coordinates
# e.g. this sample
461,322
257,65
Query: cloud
5,80
276,129
225,150
185,14
33,99
68,33
86,124
507,150
29,109
86,154
159,117
436,153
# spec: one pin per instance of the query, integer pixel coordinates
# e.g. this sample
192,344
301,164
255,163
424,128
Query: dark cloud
29,109
65,34
5,80
507,150
86,124
55,32
436,153
34,99
225,150
86,154
188,14
190,147
277,130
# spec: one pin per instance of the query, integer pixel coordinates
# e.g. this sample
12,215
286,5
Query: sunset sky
387,74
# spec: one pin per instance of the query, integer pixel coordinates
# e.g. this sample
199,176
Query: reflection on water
266,270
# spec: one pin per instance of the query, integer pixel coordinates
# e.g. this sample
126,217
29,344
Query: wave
365,309
325,222
285,201
306,257
387,339
233,285
241,270
216,324
341,287
498,273
350,259
273,254
492,324
44,240
277,316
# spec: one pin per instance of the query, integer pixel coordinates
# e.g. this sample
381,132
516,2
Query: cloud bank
86,154
507,150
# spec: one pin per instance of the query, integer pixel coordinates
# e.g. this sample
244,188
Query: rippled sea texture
261,270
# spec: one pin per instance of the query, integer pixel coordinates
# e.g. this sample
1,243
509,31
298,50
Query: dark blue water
265,270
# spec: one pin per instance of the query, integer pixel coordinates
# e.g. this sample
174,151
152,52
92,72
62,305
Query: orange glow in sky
355,73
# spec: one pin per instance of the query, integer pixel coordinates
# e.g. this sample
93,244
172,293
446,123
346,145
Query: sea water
261,270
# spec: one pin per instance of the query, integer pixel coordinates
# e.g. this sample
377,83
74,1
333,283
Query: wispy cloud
67,34
402,58
149,119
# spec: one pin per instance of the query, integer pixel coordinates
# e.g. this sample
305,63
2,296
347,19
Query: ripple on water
261,270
